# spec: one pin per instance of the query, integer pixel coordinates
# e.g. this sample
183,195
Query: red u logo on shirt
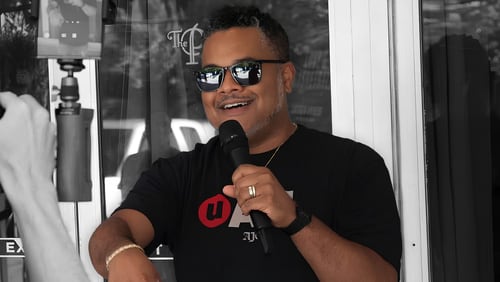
214,211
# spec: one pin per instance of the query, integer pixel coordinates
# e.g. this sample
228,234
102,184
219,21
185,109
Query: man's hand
27,141
270,197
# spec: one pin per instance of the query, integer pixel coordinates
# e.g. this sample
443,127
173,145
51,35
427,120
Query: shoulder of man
337,146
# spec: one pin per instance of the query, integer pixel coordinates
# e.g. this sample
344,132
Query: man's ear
288,73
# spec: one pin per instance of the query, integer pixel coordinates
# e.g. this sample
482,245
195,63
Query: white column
410,138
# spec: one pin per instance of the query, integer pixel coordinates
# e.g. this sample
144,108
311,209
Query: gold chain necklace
278,148
271,158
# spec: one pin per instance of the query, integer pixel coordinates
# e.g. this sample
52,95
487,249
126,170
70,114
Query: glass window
461,45
149,103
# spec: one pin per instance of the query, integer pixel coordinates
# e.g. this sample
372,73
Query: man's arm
368,213
50,253
112,243
334,258
27,161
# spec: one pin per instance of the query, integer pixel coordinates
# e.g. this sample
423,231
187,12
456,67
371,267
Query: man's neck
269,139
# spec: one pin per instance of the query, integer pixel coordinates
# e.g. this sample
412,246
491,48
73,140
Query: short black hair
250,16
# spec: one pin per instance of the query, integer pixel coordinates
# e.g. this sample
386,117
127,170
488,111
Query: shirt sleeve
369,214
156,194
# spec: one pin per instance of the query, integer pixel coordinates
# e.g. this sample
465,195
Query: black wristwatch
302,219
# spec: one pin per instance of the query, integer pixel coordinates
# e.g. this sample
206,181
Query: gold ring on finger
251,191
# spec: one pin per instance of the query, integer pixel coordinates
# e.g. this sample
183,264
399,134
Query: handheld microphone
234,142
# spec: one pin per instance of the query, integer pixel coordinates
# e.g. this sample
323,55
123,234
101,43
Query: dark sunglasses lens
247,73
209,79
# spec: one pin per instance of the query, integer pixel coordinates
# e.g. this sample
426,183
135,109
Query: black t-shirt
343,183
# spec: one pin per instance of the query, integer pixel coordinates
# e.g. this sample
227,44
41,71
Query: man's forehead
235,44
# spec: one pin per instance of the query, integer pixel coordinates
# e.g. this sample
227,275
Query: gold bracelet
119,250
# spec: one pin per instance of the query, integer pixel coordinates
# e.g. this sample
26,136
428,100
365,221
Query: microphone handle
260,220
239,156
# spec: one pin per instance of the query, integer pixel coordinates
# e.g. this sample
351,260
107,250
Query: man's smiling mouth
235,105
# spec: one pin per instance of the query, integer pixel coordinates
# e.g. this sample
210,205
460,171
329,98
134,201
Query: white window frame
408,91
377,99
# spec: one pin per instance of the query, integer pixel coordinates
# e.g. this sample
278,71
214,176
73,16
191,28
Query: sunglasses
245,73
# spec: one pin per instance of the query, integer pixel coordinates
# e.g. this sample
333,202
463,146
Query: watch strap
301,221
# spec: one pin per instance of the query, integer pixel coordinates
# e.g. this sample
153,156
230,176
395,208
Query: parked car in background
126,140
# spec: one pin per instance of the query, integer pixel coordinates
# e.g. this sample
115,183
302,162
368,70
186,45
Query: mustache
234,96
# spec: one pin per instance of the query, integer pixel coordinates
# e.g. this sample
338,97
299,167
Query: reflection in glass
462,113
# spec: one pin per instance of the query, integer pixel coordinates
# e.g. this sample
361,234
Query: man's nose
229,84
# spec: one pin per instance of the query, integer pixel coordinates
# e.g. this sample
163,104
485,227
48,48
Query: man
329,199
27,161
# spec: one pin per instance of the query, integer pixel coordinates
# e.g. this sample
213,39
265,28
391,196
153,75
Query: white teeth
229,106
